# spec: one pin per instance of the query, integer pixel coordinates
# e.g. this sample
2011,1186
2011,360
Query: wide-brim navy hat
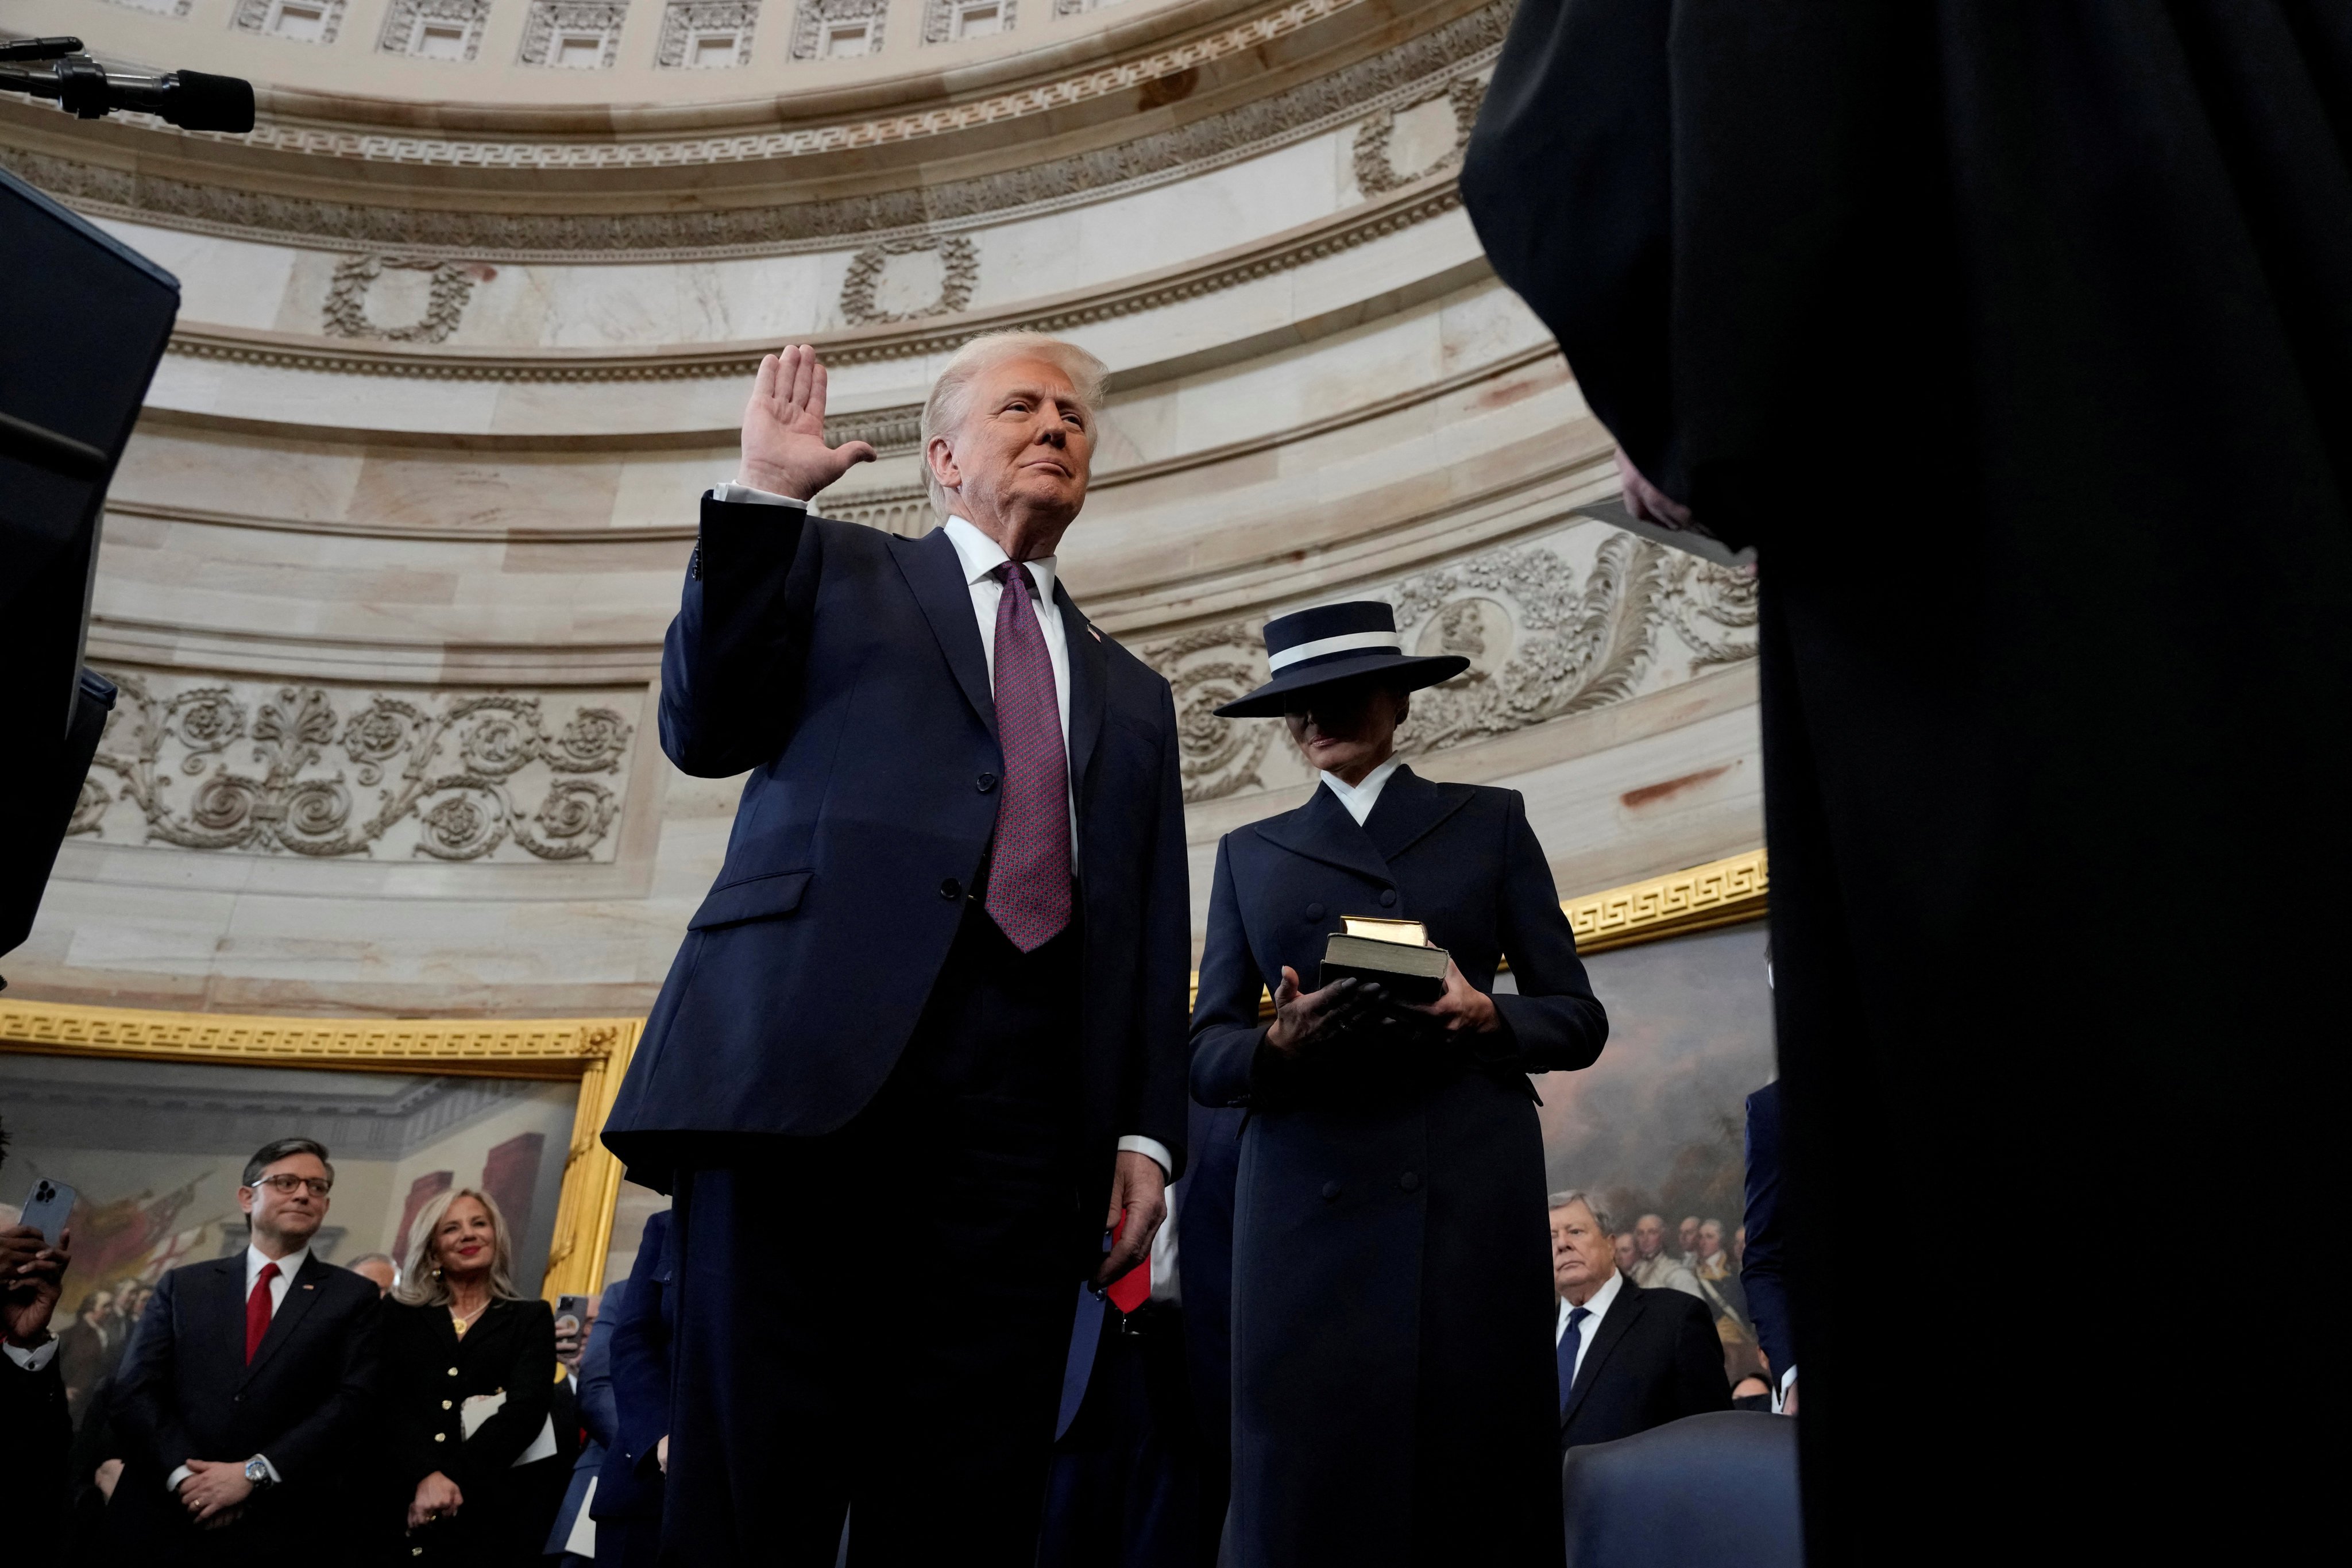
1333,643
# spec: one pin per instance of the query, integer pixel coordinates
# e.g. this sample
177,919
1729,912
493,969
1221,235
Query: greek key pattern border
1721,892
557,1049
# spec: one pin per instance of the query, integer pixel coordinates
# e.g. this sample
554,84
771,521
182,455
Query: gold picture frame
592,1052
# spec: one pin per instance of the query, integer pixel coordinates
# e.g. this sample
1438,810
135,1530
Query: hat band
1321,648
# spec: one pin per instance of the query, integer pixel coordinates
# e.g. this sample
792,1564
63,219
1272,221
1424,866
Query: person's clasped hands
1308,1022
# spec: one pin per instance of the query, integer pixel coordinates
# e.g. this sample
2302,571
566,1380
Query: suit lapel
1409,808
935,572
1089,685
301,1295
1613,1328
1322,830
223,1297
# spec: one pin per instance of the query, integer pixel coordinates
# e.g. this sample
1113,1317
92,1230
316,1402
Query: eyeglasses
286,1185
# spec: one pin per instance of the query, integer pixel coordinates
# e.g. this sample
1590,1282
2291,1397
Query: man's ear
244,1196
940,456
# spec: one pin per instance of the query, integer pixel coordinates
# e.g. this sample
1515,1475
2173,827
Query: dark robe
1394,1399
2017,340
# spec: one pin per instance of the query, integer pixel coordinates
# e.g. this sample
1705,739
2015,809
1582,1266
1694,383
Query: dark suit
431,1372
1393,1395
1708,1491
638,1326
849,1054
35,1443
306,1401
1761,1267
1656,1358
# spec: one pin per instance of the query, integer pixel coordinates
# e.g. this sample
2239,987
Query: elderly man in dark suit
249,1390
931,1016
1629,1359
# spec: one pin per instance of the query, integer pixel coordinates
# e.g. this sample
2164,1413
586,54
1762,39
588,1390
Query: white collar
1598,1303
1361,797
981,555
288,1267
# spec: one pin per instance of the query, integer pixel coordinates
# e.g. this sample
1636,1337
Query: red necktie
256,1310
1029,880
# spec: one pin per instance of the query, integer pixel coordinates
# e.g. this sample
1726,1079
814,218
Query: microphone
193,101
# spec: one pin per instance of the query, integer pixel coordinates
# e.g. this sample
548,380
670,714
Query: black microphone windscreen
205,102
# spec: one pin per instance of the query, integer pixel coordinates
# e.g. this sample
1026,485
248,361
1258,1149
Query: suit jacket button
1330,1191
453,1371
1388,898
440,1437
1410,1181
985,783
951,890
445,1404
1314,911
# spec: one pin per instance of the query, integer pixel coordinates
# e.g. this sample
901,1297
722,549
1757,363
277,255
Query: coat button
453,1371
1410,1181
951,890
445,1404
1388,898
440,1437
1314,911
1330,1191
985,783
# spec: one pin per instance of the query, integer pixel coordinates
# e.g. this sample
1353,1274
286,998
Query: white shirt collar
1361,797
1598,1306
288,1267
981,555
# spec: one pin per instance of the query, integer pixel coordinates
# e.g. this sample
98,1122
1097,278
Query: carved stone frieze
958,276
945,21
552,29
706,33
452,776
815,22
1394,77
312,21
1376,170
1586,617
452,285
418,26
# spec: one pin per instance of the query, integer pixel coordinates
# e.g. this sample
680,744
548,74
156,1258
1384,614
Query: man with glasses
249,1390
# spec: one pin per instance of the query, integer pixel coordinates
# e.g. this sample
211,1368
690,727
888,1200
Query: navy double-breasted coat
1394,1396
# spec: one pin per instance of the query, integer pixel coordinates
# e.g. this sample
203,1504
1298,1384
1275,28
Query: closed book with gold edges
1411,973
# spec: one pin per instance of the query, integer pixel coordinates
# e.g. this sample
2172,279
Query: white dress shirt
1359,798
35,1358
980,556
288,1267
1588,1330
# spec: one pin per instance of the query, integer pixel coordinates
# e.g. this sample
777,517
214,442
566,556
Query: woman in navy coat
1394,1395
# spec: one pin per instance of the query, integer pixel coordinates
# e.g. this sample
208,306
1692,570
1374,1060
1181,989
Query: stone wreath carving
1376,175
347,299
958,265
1544,640
448,765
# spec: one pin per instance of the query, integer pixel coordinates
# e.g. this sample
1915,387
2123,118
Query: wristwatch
257,1472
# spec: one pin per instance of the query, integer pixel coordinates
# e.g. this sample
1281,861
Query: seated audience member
1760,1271
627,1507
36,1432
1629,1358
573,1539
1655,1269
249,1386
378,1268
470,1365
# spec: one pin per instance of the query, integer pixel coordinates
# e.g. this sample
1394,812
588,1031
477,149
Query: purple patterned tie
1029,883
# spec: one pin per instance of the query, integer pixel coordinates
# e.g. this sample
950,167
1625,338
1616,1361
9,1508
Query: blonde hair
421,1284
950,399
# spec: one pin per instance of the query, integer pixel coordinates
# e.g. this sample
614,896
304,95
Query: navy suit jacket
637,1329
1656,1358
843,668
308,1399
1760,1269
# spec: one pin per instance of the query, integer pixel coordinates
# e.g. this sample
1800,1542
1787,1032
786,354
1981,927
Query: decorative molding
549,22
346,313
1331,237
943,20
1396,76
686,23
446,770
258,17
405,22
814,19
958,276
1376,172
593,1052
1719,893
176,9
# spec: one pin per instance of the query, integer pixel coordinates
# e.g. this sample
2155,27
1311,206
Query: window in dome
707,34
573,35
435,29
946,21
303,21
838,29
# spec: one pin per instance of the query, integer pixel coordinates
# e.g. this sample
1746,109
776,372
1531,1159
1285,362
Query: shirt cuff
1137,1143
731,492
1780,1395
171,1482
40,1355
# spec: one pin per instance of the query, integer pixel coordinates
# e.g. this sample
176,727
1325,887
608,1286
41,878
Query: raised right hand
784,430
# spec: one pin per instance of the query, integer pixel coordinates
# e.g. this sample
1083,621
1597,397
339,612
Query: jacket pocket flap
753,899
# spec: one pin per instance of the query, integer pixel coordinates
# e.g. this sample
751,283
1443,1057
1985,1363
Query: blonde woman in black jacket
469,1370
